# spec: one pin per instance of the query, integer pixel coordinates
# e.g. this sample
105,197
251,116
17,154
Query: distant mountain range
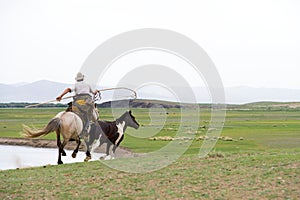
44,90
38,91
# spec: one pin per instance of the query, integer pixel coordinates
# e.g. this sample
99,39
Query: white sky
254,43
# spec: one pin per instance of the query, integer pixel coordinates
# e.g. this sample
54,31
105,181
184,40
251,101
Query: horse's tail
53,125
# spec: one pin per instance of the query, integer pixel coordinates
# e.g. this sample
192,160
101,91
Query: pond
13,157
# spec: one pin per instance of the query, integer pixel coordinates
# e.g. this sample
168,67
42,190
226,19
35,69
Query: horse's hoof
102,157
109,157
74,155
87,158
60,162
63,154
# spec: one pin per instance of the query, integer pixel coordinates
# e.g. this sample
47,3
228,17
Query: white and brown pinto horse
113,133
68,124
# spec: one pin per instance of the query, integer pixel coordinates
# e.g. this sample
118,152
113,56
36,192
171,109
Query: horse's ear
129,111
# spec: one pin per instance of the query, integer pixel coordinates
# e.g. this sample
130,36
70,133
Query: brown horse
68,124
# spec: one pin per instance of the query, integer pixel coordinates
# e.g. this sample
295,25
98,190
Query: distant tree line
109,104
23,104
158,104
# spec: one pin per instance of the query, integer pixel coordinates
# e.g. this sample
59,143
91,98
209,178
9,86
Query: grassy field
261,160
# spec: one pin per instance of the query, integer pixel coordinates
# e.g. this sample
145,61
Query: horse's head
69,109
130,120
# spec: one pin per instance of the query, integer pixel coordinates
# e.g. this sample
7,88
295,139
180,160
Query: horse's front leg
87,153
107,156
77,147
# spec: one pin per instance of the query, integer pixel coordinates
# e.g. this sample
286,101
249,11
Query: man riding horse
83,104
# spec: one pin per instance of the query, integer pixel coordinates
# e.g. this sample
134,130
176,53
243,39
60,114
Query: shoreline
47,143
41,143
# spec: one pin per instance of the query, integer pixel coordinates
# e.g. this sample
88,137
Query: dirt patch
44,143
288,105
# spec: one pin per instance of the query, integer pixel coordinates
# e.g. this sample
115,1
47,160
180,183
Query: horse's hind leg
76,150
115,147
60,150
114,151
63,153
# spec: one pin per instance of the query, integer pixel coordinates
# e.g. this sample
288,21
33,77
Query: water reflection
12,157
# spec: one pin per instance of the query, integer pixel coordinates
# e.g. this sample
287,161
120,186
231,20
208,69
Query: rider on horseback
83,103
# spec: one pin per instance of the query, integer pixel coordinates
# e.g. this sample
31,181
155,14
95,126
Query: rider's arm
64,92
95,92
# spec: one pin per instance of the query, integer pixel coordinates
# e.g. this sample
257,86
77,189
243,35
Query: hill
44,90
39,91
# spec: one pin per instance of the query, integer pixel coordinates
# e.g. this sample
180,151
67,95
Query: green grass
260,130
235,176
265,164
11,120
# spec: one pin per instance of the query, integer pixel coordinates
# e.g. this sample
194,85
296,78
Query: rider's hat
79,77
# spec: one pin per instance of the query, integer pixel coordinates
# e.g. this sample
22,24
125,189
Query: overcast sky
253,43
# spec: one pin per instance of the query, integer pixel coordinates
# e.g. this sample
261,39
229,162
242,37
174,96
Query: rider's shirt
82,88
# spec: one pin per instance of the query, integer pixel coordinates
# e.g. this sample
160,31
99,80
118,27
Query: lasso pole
33,105
116,88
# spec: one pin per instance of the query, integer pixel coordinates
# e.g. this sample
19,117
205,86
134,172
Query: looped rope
134,95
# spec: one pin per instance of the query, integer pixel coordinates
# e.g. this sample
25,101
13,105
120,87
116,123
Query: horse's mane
121,118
